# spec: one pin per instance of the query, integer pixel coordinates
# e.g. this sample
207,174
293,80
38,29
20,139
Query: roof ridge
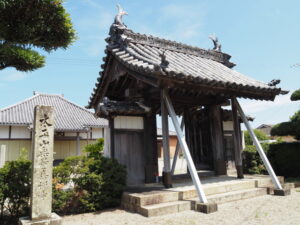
124,36
76,105
18,103
44,94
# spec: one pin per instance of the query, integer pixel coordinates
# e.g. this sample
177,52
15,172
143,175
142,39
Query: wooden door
129,152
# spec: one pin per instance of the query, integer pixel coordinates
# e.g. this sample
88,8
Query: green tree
296,95
27,24
259,134
291,127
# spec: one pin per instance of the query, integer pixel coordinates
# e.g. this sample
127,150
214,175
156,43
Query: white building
75,127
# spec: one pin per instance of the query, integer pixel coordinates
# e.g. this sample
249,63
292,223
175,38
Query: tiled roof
143,54
68,116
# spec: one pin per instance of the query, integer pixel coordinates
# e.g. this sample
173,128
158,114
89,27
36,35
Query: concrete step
232,196
215,188
164,208
267,181
149,198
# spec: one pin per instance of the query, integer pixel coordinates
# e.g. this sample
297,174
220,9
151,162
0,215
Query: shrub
15,187
284,158
98,182
252,163
259,134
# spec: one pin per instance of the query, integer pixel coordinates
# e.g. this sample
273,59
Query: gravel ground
260,210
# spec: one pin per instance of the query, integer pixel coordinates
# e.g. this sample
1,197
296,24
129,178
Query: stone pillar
2,155
42,163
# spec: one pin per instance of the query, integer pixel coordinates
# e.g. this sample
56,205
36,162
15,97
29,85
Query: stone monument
2,155
42,163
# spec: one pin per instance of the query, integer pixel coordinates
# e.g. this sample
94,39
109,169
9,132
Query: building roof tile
68,116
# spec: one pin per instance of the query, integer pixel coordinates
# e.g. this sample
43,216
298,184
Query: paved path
274,210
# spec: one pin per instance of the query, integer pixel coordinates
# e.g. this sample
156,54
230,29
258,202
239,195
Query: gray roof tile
142,53
68,116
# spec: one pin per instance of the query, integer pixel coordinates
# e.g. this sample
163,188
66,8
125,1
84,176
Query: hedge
285,158
252,163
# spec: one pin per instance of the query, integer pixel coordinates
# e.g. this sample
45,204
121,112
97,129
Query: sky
261,36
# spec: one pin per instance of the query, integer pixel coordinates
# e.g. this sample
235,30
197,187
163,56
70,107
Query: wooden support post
78,144
167,178
217,139
112,137
150,143
258,147
185,148
237,140
177,149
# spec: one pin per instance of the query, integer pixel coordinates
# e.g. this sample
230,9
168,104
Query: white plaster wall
128,122
4,132
70,134
227,125
18,132
97,133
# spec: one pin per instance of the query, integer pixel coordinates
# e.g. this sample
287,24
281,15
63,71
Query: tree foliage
296,95
259,134
291,127
27,24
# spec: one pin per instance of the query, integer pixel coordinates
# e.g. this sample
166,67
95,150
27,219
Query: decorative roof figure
117,28
274,82
118,18
217,45
164,62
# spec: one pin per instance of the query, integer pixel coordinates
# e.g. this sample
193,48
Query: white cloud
252,106
13,76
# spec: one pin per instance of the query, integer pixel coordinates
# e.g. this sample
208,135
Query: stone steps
232,196
219,190
215,188
164,208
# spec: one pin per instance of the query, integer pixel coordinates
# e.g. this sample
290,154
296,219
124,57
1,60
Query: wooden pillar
237,140
78,144
217,139
150,146
112,138
167,178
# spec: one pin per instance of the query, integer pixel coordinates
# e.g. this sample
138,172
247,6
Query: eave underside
185,93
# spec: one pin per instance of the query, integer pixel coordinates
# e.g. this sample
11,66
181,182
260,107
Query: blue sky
261,36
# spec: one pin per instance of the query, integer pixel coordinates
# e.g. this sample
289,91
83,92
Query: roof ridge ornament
217,45
117,28
119,17
164,62
274,82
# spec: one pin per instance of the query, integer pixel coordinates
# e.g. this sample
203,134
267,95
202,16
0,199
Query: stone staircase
184,197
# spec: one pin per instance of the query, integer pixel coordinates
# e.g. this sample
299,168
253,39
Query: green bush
295,95
98,182
252,163
259,134
15,187
291,127
284,158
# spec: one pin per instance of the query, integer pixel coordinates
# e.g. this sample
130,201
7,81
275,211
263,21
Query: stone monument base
53,220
